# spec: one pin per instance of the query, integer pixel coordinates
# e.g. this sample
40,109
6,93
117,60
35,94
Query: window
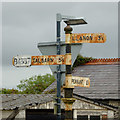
42,114
94,117
82,117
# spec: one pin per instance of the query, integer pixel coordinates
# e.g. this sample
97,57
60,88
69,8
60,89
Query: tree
80,60
9,91
35,84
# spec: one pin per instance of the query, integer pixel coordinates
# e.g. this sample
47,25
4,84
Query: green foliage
9,91
81,60
33,85
36,84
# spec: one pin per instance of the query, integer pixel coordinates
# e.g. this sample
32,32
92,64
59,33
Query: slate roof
103,80
13,101
22,101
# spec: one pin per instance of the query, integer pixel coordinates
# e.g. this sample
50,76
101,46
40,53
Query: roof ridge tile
104,61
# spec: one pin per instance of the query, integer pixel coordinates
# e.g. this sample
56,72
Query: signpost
65,59
85,38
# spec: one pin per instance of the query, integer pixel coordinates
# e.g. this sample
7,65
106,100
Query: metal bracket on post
62,72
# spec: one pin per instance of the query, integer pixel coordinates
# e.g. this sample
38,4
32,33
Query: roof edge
97,102
104,61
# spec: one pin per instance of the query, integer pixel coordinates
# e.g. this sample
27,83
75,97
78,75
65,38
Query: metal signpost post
68,88
59,18
58,69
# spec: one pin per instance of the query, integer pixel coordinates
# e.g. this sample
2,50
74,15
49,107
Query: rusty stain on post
68,103
68,59
68,81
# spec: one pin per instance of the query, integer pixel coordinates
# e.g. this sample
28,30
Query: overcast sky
24,25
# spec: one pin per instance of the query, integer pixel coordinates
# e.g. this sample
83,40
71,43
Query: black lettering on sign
102,38
42,60
45,60
15,61
84,37
73,80
99,37
39,60
48,59
75,38
61,59
91,38
51,59
87,82
80,38
34,60
81,82
77,81
87,38
22,60
25,60
72,38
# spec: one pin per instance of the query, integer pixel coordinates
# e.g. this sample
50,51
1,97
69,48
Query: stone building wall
80,107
